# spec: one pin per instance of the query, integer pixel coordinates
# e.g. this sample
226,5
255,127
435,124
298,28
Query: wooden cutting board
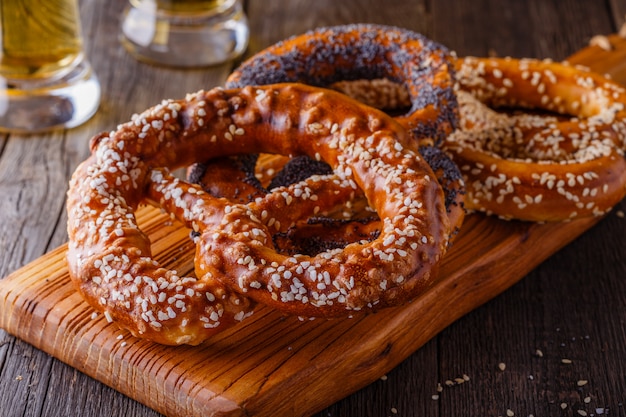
269,364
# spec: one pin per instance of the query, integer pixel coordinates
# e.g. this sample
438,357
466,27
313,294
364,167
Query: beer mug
185,33
45,80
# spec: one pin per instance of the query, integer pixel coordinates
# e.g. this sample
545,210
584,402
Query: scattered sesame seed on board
601,41
620,214
582,382
510,413
502,366
566,361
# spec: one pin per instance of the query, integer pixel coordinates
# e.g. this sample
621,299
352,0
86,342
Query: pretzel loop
236,264
558,166
325,56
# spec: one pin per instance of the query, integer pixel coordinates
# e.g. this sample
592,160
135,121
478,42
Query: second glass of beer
185,33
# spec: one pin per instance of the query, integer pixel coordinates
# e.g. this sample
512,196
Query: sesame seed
108,316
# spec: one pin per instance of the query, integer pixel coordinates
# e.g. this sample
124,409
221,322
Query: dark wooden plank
618,10
540,29
273,21
405,387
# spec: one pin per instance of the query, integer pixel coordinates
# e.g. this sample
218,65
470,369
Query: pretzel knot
417,81
236,264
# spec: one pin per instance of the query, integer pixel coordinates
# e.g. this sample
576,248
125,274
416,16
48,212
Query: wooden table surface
552,345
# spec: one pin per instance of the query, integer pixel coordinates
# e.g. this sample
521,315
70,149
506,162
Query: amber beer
191,6
39,38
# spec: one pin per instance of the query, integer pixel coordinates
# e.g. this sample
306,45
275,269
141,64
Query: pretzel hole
381,93
249,177
243,178
523,133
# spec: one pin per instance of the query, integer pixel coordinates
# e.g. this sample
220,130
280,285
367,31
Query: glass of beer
185,33
45,80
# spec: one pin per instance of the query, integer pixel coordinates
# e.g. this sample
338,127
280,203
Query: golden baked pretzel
562,165
110,259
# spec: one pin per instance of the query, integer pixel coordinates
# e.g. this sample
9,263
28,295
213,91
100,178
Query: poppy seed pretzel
110,259
539,167
325,56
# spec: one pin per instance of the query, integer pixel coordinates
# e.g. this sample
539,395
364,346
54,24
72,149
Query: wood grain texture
269,363
570,305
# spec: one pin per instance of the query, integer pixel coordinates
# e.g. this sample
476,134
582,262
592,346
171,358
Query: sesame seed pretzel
236,265
539,167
